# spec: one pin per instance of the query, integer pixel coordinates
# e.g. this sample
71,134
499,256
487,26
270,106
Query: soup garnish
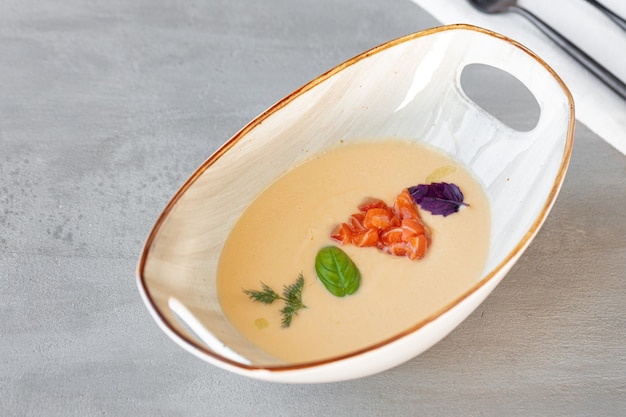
337,271
438,197
292,296
397,230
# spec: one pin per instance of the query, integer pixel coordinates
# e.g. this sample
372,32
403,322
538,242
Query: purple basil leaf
438,197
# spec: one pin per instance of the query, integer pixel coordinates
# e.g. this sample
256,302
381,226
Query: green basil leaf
337,271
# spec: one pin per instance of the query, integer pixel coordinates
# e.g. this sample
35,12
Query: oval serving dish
408,88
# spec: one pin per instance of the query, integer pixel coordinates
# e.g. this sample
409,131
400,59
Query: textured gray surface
106,107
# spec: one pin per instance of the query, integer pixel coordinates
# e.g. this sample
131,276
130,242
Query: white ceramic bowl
411,87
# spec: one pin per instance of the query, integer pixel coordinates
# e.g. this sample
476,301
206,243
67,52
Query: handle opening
501,95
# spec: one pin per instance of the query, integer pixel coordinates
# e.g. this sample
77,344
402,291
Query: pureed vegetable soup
278,237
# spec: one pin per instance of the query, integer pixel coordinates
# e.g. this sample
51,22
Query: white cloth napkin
597,106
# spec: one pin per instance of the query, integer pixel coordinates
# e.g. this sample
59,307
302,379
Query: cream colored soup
279,235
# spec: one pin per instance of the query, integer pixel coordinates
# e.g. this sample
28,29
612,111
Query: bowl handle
554,98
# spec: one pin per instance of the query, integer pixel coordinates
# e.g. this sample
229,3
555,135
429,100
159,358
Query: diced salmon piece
412,227
371,203
397,249
395,220
342,233
391,235
405,207
379,218
416,246
356,220
365,238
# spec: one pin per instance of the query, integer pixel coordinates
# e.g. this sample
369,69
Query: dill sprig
267,296
292,296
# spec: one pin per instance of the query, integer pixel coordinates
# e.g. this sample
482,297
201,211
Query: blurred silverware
501,6
611,14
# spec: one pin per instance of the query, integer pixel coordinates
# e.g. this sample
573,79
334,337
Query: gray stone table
106,107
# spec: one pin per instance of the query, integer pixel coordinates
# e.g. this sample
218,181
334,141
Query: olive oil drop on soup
279,235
